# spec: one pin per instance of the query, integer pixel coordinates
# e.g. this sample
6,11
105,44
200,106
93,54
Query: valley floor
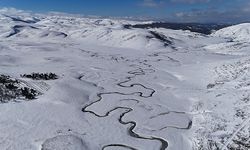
190,94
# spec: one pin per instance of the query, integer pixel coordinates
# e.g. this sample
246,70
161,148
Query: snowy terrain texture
74,83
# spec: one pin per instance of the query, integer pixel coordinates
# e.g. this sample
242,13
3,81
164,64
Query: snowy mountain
193,27
107,32
239,32
76,83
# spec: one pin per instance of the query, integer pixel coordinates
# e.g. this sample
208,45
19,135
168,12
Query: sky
209,11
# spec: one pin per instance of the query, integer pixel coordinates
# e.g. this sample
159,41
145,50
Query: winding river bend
133,124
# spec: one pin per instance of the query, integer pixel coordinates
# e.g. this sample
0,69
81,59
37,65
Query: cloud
159,3
232,12
10,10
190,1
236,15
246,7
152,3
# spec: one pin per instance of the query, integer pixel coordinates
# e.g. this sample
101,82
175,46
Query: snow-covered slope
70,82
237,43
239,32
106,32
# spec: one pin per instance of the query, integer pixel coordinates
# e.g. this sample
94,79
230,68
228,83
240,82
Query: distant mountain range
193,27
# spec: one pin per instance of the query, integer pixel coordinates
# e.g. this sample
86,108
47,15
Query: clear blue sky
174,10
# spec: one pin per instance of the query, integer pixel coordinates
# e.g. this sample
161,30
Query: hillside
79,83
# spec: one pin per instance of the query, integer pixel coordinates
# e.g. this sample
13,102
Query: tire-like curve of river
118,145
131,132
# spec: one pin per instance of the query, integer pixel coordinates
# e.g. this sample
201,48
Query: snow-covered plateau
76,83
